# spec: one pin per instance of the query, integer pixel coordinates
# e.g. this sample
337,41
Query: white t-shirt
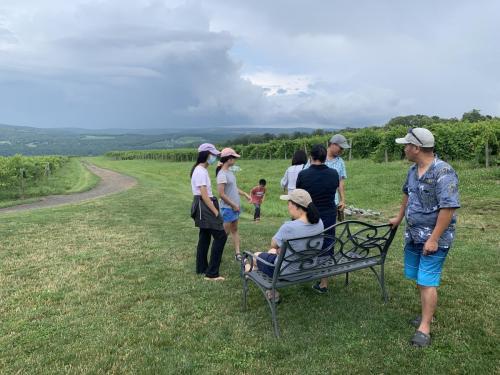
290,178
200,178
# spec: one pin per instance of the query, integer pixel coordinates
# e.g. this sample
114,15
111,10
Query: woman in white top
206,215
290,178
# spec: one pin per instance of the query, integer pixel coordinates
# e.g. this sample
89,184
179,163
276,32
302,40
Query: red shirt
257,194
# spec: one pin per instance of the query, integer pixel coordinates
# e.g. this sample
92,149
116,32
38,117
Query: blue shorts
271,258
424,269
229,215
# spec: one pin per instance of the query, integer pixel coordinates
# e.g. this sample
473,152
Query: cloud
433,58
109,68
155,63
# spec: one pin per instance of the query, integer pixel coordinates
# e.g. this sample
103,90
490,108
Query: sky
141,64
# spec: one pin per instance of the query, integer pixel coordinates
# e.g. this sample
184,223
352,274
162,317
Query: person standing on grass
430,198
321,182
288,181
257,195
206,216
230,197
336,146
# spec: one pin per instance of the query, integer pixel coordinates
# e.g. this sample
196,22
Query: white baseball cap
417,136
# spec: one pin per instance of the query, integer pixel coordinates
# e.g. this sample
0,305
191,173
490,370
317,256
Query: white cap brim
285,197
402,141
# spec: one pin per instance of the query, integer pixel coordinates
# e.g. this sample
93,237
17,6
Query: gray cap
299,196
417,136
340,140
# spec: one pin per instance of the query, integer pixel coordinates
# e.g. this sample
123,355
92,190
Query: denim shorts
271,258
424,269
229,215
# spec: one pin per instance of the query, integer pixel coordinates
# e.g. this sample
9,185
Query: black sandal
421,340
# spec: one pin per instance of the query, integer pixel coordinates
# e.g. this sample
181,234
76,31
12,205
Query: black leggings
210,269
256,214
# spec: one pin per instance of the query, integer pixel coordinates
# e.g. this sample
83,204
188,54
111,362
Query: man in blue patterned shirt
336,146
430,198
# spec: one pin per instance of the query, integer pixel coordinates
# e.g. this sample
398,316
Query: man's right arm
341,190
395,221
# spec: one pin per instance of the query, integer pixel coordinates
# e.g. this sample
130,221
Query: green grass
108,286
73,177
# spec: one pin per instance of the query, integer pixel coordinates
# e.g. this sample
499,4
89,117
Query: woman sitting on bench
306,222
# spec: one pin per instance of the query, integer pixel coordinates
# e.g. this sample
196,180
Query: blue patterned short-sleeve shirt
339,165
436,189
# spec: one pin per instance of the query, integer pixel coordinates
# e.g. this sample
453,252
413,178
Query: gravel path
111,182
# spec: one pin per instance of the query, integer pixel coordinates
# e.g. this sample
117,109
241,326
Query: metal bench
352,246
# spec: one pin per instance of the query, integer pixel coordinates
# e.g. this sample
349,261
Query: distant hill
86,142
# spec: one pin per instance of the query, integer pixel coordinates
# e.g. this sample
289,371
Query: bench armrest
248,256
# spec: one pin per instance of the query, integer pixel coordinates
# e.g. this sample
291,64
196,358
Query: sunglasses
410,131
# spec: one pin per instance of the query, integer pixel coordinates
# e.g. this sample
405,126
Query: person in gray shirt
230,197
306,223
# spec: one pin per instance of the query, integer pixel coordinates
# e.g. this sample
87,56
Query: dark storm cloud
159,63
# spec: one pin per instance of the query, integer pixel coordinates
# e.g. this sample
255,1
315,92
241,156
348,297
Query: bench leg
272,306
381,281
245,292
276,328
346,279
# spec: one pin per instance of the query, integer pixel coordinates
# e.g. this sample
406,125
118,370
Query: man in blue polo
430,198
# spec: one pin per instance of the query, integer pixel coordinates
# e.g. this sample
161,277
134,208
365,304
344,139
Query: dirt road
111,182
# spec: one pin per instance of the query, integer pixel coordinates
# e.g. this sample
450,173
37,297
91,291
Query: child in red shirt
257,195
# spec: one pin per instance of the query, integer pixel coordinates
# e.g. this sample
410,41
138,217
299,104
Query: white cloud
280,84
155,63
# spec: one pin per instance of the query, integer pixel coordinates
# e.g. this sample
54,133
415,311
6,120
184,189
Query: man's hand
430,246
341,206
395,221
236,208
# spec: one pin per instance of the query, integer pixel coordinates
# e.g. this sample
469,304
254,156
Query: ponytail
221,163
312,213
202,158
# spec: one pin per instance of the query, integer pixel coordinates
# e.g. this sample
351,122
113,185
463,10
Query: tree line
474,137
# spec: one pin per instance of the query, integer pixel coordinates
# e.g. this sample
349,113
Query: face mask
211,159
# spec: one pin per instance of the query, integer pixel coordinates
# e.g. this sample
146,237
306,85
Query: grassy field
108,286
73,177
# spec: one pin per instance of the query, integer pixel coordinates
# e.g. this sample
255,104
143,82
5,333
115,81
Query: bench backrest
345,242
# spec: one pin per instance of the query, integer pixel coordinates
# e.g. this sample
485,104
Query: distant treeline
473,137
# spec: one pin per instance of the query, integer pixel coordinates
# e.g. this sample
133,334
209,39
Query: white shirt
200,178
290,177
